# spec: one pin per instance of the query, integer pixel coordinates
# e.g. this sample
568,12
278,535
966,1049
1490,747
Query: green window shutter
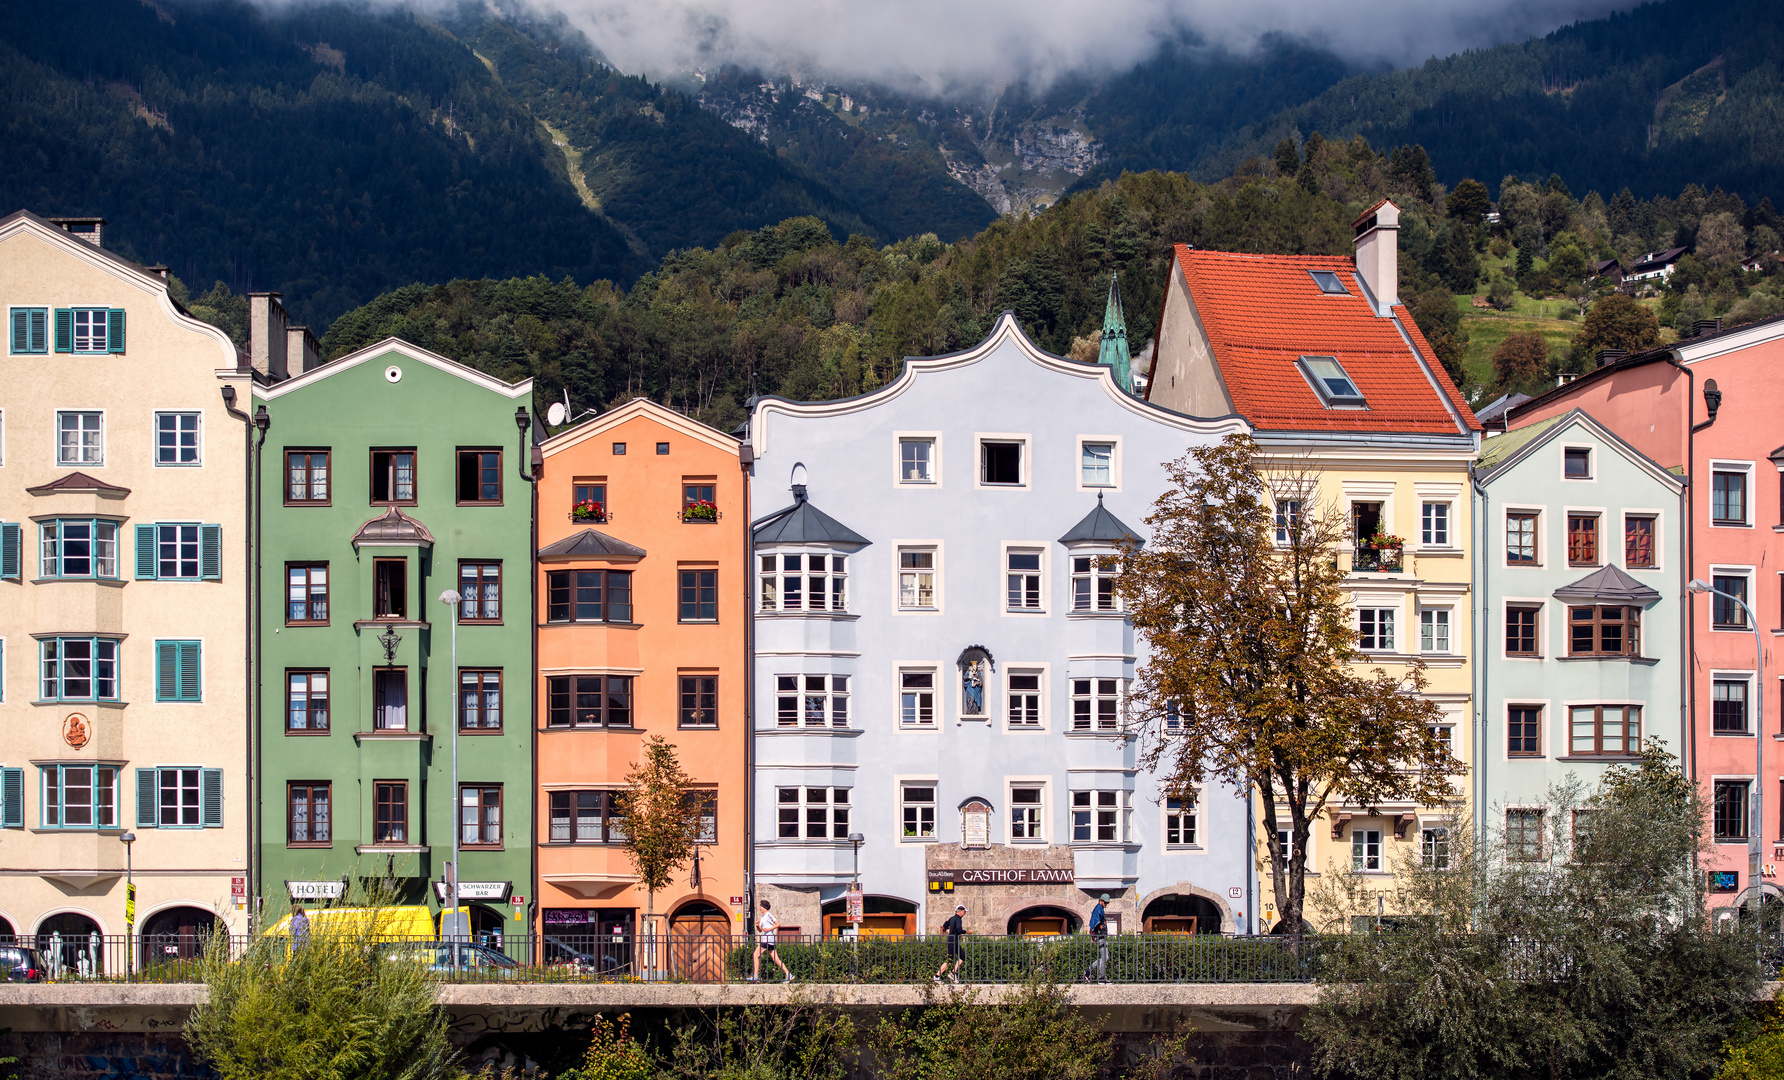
64,329
167,663
145,553
210,789
12,798
11,551
21,330
148,798
114,330
40,332
189,685
210,549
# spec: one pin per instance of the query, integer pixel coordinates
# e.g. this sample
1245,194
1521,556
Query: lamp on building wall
1756,824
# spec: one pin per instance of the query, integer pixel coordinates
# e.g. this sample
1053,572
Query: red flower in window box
700,510
588,510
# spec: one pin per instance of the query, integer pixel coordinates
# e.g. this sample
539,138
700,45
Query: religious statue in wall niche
975,663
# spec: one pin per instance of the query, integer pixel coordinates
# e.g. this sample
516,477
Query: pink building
1703,408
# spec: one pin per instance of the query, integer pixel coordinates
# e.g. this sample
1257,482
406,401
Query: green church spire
1113,353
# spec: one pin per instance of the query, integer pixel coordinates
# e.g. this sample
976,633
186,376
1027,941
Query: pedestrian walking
765,924
300,927
1099,933
954,927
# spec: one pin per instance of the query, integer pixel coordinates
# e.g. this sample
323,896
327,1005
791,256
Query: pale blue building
940,664
1579,636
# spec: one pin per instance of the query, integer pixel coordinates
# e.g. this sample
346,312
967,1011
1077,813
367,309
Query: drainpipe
531,465
746,459
251,645
1688,621
1482,611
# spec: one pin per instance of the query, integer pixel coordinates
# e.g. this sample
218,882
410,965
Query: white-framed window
1180,823
1093,583
80,437
78,548
812,701
1288,519
1731,493
1022,579
1434,852
176,438
1028,813
917,579
811,581
1576,463
1434,630
79,796
1026,694
1100,817
1096,463
176,552
916,808
916,460
1096,704
1365,850
812,813
91,326
1285,838
1003,461
916,698
1445,734
1434,524
1375,629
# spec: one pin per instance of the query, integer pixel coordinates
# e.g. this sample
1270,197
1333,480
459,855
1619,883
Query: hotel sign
1038,876
316,890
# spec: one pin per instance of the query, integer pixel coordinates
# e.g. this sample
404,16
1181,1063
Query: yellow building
1318,354
123,606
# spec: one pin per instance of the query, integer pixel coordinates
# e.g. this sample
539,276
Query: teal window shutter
210,789
190,682
11,552
64,329
12,798
21,330
114,330
148,797
145,553
167,664
40,333
210,549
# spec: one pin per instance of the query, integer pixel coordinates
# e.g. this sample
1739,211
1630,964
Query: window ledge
400,624
579,843
591,624
1097,615
1644,660
391,736
841,733
116,583
918,840
63,704
1102,845
1731,629
1624,758
1741,840
1105,734
391,849
1439,552
479,622
1730,524
1731,734
590,728
919,611
844,616
1525,757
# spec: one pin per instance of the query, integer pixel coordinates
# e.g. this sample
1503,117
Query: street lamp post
452,598
129,839
1754,878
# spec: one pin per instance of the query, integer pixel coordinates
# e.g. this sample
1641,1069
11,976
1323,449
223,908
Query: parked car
437,958
19,964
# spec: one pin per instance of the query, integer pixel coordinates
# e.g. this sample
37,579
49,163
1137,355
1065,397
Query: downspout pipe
1483,610
1688,619
746,459
531,466
251,640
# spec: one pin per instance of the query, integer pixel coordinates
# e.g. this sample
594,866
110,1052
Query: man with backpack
954,927
1099,933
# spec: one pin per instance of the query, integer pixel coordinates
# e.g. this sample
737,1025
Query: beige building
123,606
1345,393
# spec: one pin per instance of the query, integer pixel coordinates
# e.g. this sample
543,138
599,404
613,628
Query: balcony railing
1370,558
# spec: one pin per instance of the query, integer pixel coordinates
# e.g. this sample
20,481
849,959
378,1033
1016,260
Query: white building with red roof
1320,356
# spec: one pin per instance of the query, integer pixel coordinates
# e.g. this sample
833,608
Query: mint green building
389,477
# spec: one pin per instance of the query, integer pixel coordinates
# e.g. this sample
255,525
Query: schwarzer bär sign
1038,876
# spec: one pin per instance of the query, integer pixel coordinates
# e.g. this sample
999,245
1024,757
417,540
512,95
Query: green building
389,477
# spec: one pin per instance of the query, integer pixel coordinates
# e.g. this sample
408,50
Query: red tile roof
1263,312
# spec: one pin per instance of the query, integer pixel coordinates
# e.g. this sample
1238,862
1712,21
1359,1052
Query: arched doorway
176,934
881,916
487,924
699,934
1043,921
1181,913
6,931
70,944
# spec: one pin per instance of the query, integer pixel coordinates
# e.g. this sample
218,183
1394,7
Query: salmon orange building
641,583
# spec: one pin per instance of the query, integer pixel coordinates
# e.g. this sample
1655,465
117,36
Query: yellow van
406,921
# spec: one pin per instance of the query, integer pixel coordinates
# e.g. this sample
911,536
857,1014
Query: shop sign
316,890
474,890
1036,876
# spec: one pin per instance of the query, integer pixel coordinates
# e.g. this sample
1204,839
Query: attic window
1331,382
1329,282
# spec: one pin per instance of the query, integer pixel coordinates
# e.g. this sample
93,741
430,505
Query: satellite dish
554,414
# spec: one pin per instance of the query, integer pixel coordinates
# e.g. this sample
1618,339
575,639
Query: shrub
1031,1034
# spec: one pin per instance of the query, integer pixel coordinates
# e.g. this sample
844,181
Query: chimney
90,229
1378,254
301,349
267,335
1706,326
1610,356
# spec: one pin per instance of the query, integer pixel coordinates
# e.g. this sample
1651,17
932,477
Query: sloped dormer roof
1608,585
393,528
1262,313
1099,526
78,481
803,523
590,544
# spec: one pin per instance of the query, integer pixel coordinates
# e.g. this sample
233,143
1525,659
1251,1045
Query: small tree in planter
662,817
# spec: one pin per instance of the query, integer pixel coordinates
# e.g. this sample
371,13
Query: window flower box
700,510
590,511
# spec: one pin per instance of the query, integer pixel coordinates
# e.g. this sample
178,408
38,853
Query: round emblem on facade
76,731
393,374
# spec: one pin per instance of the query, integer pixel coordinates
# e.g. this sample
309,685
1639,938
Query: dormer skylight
1330,381
1329,282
